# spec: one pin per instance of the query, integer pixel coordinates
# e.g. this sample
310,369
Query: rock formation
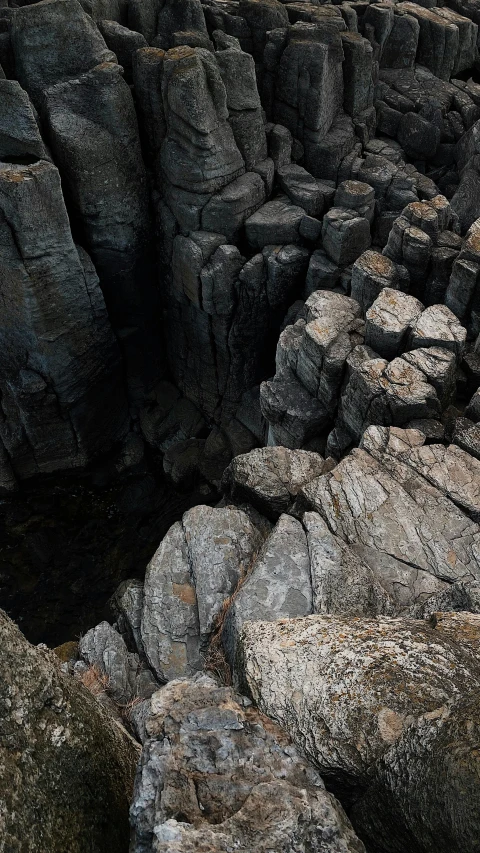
240,256
66,769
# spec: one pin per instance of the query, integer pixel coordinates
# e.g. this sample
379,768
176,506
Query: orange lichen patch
185,593
377,263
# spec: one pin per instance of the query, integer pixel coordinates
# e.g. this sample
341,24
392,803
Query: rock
382,506
437,326
451,470
60,361
301,188
345,235
269,478
253,788
126,680
342,582
277,587
19,132
371,273
42,56
439,368
276,222
126,605
389,321
385,393
473,409
56,743
228,209
196,569
122,41
105,176
360,696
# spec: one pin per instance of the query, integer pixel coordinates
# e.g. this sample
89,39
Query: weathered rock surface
368,701
62,758
269,478
197,567
216,774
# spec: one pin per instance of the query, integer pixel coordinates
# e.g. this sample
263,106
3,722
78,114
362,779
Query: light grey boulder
378,392
371,273
367,700
242,784
197,567
342,583
391,508
278,586
126,679
451,470
389,320
439,367
437,326
269,478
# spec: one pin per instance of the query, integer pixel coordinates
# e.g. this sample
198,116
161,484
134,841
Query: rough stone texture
366,699
196,568
390,508
43,56
61,758
278,585
269,478
105,649
389,320
60,360
215,774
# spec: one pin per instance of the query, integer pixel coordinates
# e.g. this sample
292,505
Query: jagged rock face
216,774
61,758
370,702
60,360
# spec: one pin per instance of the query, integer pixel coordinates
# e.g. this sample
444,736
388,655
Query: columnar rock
60,361
215,775
43,57
311,355
370,700
94,136
57,744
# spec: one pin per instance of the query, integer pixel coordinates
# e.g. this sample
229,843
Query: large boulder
387,710
216,775
197,567
66,769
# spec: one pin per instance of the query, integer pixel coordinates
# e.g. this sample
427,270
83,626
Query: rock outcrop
66,770
216,774
370,701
